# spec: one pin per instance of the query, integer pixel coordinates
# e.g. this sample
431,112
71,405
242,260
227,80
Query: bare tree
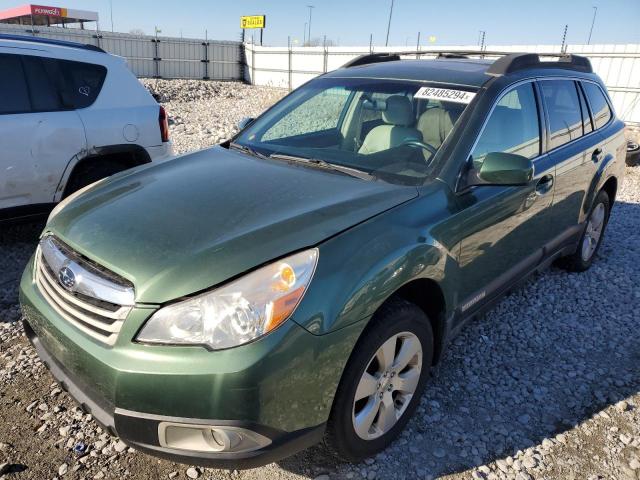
137,31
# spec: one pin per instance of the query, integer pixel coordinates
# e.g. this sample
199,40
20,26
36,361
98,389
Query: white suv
70,114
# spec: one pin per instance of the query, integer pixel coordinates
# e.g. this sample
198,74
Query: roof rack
507,63
48,41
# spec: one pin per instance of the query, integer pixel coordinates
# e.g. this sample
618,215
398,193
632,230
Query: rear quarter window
79,83
599,106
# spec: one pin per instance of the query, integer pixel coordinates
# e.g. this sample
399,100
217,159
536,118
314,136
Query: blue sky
350,22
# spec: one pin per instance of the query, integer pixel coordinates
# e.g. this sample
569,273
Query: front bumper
280,386
140,430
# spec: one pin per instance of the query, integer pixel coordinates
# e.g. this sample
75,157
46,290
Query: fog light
209,438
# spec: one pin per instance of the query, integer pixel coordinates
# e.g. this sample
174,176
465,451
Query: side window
563,107
14,95
599,106
513,126
320,112
78,83
587,127
44,95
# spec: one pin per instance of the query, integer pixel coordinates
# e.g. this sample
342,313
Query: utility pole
310,7
386,43
595,12
304,36
111,9
481,34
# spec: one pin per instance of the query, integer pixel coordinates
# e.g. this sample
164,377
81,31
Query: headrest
399,111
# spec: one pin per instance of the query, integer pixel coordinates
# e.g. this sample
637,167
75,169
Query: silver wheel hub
592,234
387,385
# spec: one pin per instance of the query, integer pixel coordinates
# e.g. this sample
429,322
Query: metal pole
595,12
418,46
310,7
326,54
482,42
371,43
290,72
386,43
304,37
261,30
111,8
564,40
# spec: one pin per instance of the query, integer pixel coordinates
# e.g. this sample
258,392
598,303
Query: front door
504,228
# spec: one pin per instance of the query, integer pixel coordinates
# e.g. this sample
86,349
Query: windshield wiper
353,172
247,150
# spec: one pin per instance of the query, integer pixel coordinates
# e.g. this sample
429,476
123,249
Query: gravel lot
547,385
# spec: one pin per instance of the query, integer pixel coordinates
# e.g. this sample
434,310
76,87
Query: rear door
39,134
504,228
572,147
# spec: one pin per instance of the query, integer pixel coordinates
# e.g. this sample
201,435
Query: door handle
544,185
596,156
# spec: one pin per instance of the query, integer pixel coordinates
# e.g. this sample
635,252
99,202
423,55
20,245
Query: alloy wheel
387,385
592,235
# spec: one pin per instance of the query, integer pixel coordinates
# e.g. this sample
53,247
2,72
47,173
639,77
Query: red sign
48,11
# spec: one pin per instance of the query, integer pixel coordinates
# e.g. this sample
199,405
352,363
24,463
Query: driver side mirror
244,122
501,168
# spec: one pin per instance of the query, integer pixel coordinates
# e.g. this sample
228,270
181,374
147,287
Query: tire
92,170
580,261
407,323
633,154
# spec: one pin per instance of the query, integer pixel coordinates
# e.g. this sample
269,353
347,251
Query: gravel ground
547,385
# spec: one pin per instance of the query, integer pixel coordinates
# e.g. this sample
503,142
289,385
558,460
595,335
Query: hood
185,225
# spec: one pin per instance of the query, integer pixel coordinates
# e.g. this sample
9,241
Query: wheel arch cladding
127,156
427,294
611,187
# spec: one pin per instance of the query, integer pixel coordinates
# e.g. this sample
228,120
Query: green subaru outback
297,283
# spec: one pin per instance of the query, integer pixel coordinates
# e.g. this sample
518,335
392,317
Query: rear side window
563,108
599,106
77,83
14,95
513,126
44,95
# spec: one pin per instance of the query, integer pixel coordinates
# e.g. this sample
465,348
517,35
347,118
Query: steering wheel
411,142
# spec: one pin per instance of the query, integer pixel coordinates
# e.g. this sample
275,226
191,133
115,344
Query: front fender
361,268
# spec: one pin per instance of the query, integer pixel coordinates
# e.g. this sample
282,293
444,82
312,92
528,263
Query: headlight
238,312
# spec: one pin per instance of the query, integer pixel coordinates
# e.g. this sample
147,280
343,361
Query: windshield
386,128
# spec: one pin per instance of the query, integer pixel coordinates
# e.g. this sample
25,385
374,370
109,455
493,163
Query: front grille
83,305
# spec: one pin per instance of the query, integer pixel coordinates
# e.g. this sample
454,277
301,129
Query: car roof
462,70
459,71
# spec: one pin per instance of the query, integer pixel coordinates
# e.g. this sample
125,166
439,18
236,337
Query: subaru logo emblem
67,277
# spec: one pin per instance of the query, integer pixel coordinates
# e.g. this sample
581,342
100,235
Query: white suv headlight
238,312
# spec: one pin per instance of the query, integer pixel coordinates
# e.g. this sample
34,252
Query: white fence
149,56
618,65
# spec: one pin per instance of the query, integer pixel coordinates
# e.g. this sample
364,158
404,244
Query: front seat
436,123
398,116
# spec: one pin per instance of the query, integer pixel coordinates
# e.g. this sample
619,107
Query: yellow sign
253,21
432,39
